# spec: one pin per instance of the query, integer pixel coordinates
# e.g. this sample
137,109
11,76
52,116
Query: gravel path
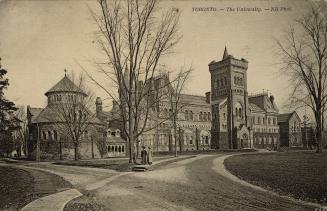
187,185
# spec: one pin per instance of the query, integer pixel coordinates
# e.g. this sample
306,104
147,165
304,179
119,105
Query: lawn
302,174
19,187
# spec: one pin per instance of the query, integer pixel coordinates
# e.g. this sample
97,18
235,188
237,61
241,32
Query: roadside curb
219,167
55,201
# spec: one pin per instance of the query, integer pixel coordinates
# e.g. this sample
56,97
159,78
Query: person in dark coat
149,156
144,155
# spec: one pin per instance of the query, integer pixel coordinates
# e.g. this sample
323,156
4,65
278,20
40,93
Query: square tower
229,101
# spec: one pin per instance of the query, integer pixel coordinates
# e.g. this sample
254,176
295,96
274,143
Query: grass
301,174
19,187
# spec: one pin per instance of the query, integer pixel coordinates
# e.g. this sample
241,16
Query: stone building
46,127
194,121
239,120
116,142
290,130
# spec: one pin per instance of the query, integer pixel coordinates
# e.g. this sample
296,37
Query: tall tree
134,38
174,94
7,107
304,56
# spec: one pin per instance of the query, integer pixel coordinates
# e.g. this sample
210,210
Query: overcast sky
39,39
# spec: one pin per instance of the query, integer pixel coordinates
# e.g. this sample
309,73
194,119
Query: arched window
191,140
55,135
186,115
112,148
116,149
44,135
236,112
119,149
205,116
123,148
200,116
50,135
191,115
240,112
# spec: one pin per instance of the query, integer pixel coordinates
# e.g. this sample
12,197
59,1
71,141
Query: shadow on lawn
300,174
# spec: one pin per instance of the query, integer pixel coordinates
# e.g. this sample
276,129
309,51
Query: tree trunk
319,130
175,136
76,156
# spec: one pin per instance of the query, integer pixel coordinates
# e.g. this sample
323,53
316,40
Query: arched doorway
245,141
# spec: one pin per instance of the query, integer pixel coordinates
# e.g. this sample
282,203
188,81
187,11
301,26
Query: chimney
98,106
208,95
271,99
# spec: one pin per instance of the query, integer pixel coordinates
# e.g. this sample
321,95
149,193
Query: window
205,116
209,116
186,115
191,141
236,112
123,149
268,121
55,135
191,115
44,135
49,135
224,115
207,140
200,116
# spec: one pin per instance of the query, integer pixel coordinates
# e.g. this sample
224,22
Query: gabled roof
285,117
193,99
65,85
255,108
34,113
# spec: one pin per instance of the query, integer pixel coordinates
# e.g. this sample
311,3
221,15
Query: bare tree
73,113
174,94
304,56
21,136
133,37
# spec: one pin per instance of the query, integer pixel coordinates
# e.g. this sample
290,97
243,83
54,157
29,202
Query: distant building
55,143
115,139
240,121
290,130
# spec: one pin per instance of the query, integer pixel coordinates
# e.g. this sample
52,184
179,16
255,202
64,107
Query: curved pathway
191,184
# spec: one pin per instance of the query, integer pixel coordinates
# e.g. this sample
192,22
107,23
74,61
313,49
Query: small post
92,147
38,144
60,149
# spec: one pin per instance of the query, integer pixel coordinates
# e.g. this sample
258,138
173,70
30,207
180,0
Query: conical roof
65,85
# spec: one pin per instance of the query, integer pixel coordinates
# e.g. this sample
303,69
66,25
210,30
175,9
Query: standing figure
144,155
149,160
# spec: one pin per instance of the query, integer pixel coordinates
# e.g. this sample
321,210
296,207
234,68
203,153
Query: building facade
290,130
47,131
238,120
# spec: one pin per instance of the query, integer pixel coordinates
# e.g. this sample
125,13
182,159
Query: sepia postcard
163,105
